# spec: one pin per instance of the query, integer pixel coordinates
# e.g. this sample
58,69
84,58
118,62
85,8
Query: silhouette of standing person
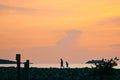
67,65
61,63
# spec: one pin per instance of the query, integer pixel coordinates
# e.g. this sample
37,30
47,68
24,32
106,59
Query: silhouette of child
67,65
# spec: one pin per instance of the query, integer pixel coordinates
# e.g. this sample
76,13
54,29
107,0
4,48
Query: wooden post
18,56
26,69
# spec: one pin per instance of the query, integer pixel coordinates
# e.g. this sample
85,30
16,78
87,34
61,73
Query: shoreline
54,65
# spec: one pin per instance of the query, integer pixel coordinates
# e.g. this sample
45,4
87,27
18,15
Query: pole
26,69
18,56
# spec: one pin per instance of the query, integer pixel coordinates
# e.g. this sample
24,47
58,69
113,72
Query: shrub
106,66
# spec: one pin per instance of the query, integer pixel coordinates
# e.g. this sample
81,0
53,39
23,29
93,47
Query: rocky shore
9,73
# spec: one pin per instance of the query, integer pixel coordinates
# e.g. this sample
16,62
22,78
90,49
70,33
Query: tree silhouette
106,66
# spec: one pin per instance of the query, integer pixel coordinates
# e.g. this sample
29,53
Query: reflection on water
52,65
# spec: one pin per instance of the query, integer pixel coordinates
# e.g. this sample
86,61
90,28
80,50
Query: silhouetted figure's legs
61,63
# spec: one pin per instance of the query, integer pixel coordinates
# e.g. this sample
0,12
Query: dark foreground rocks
9,73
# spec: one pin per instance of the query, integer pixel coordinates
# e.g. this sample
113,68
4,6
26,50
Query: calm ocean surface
53,65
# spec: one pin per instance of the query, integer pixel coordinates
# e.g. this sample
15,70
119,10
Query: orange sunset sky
46,30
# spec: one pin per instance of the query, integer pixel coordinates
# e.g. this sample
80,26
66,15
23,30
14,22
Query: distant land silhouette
93,61
3,61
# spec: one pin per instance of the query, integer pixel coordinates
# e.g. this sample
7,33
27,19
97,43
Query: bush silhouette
106,66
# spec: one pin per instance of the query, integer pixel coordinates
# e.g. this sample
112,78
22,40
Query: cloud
65,48
110,20
107,28
15,8
36,11
115,19
70,39
115,45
